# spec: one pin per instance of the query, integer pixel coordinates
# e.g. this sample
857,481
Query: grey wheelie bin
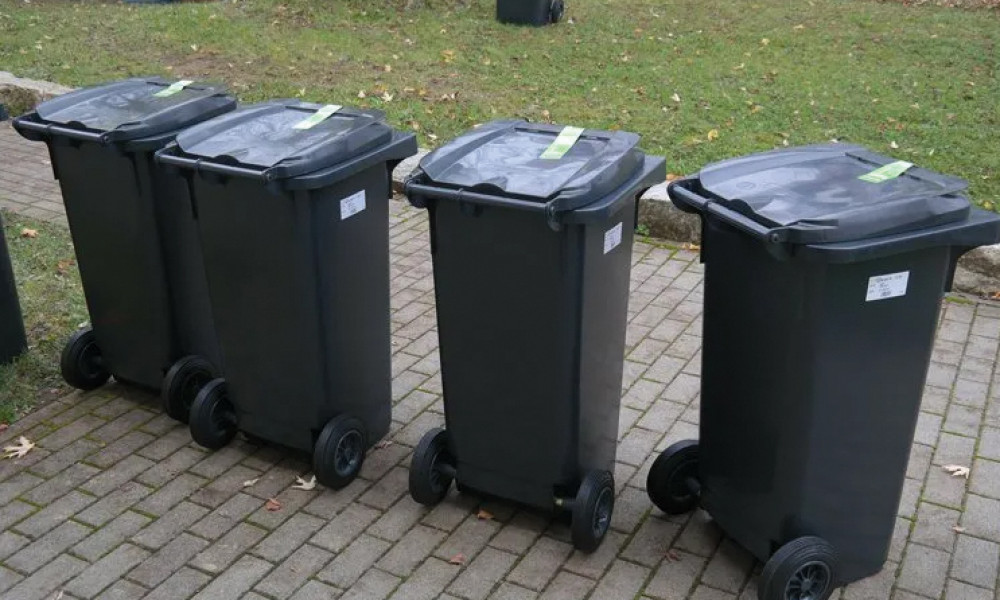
292,203
12,340
531,234
133,232
530,12
825,268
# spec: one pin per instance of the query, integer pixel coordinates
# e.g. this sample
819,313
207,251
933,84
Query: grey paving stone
54,514
166,528
11,542
700,536
411,550
651,541
985,479
47,580
14,511
235,581
982,517
120,449
171,494
113,504
481,575
924,570
622,582
290,535
223,552
346,526
427,582
935,526
167,560
47,548
106,571
729,568
293,571
112,479
567,586
953,450
103,540
540,564
354,561
165,470
676,576
182,584
67,456
509,591
8,578
468,539
214,524
123,590
593,565
963,420
387,490
962,591
518,534
975,561
374,585
989,443
397,520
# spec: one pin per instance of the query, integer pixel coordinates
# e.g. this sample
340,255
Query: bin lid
287,137
506,157
137,108
834,192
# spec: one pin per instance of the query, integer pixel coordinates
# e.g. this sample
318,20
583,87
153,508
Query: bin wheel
213,418
803,569
429,482
81,362
339,452
592,509
556,10
181,385
672,480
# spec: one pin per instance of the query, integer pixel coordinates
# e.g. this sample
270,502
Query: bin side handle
49,130
198,165
412,188
744,224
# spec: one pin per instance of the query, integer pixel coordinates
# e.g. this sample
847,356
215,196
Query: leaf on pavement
18,450
484,515
272,505
384,443
672,556
458,559
303,484
250,482
957,470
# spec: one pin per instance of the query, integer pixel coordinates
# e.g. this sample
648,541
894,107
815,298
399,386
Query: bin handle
49,129
741,222
412,188
199,165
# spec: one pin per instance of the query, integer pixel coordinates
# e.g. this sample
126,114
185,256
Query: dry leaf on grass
672,176
302,484
957,470
690,246
484,515
272,505
676,97
250,482
18,450
29,233
3,427
713,134
458,559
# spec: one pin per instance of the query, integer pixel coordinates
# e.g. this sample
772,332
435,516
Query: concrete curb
978,271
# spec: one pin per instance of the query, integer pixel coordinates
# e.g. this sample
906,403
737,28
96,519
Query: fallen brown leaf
957,470
18,450
958,529
250,482
484,515
458,559
29,233
272,505
672,176
672,556
305,484
383,444
62,267
690,246
3,427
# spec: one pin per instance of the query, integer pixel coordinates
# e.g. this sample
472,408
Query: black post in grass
12,340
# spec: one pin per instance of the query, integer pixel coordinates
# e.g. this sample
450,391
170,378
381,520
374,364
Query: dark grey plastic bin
531,272
530,12
12,340
132,230
294,224
822,294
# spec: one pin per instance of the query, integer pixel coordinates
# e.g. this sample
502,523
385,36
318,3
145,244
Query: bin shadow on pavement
117,499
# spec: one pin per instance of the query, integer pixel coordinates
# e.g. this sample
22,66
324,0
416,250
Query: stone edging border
978,271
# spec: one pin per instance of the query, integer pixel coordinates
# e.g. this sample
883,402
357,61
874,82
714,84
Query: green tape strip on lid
564,141
886,172
317,117
173,88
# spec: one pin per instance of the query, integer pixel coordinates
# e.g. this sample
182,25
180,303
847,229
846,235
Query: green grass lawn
53,306
919,82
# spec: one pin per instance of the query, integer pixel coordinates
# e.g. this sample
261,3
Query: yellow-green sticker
564,141
886,172
317,117
173,88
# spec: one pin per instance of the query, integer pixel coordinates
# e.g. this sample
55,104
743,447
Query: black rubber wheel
213,418
428,484
181,386
339,452
592,509
803,569
669,481
556,11
81,363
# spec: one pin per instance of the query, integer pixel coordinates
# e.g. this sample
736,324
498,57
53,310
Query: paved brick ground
117,502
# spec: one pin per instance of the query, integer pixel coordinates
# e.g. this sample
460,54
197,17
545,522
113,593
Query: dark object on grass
12,340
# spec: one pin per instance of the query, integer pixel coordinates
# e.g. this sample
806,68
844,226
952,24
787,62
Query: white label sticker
352,205
612,238
892,285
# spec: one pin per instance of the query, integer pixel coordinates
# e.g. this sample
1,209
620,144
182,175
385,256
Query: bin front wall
300,298
110,208
520,310
12,338
810,394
